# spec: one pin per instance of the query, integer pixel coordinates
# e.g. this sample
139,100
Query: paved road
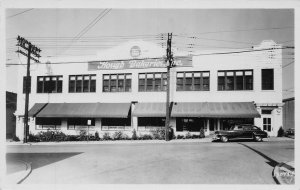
172,163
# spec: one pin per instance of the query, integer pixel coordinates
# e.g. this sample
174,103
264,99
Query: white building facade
124,89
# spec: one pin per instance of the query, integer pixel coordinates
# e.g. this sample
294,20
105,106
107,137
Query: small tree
280,132
202,134
134,136
97,136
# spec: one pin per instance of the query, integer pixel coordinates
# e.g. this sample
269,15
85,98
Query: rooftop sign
184,61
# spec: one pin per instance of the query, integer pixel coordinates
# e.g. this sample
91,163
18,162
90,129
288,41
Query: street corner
17,171
284,173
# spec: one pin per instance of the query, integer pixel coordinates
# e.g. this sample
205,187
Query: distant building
288,113
124,89
11,106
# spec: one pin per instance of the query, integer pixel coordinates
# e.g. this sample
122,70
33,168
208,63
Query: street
154,163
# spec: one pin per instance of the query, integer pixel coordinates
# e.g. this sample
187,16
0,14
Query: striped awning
150,109
86,110
35,109
215,109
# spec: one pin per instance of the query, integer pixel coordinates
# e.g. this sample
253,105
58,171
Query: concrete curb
284,173
19,177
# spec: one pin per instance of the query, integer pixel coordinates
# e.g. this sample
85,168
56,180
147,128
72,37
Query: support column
218,124
207,128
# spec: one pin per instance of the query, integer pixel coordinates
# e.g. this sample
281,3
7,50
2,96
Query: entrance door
267,125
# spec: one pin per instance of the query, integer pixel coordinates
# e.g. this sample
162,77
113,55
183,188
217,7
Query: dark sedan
241,132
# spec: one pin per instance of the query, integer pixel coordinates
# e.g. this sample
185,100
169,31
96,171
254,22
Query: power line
19,13
288,64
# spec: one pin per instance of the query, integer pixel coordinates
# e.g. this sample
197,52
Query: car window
239,128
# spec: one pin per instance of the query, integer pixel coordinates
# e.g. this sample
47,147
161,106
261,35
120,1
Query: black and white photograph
143,95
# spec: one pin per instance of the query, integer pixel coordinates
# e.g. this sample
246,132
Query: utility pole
170,64
31,50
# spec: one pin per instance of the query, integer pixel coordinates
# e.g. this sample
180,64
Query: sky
54,31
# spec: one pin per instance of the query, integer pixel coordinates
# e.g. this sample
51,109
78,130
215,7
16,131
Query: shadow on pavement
38,160
271,162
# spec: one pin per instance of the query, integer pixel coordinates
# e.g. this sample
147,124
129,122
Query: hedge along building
124,88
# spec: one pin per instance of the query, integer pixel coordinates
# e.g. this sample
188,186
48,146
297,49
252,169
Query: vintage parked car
243,131
290,132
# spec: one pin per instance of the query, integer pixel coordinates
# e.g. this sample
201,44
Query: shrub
146,137
97,138
158,134
106,136
46,136
118,135
125,137
82,135
72,138
15,138
280,132
196,136
179,137
33,138
202,134
188,135
134,136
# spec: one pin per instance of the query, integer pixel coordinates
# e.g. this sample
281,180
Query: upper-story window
193,81
24,84
49,84
82,83
117,82
152,82
267,79
235,80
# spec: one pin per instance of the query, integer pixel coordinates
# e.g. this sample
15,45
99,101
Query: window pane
179,84
40,85
221,83
141,85
188,84
239,82
149,84
79,84
106,86
113,85
86,81
248,83
128,85
72,84
206,83
267,79
59,86
230,83
121,84
157,86
93,85
197,83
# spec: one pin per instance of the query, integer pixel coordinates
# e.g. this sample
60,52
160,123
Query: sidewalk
203,140
284,173
17,171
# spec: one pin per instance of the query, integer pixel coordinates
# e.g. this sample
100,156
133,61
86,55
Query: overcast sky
53,29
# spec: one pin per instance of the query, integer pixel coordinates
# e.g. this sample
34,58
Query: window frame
267,83
182,75
126,79
224,85
74,88
149,83
52,85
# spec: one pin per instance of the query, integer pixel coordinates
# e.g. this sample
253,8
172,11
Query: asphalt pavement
154,163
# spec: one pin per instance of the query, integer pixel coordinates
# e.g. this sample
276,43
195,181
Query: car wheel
258,138
224,139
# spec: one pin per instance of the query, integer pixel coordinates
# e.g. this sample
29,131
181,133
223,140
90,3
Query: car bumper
215,137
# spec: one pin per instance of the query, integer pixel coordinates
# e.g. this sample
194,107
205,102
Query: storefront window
150,123
82,83
235,80
117,83
73,122
48,123
190,124
49,84
112,124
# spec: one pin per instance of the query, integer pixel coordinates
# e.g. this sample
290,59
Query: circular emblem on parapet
135,51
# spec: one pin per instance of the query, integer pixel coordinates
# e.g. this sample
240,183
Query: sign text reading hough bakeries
138,64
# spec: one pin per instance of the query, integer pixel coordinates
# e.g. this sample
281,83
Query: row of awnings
150,109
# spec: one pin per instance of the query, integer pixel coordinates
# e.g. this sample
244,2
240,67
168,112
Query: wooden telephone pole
31,50
170,64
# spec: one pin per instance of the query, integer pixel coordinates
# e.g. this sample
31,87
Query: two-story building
124,88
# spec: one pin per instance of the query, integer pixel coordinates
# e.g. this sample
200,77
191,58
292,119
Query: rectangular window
48,123
113,124
267,79
190,124
73,122
192,81
117,82
49,84
150,123
152,82
268,111
24,84
82,83
267,124
235,80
